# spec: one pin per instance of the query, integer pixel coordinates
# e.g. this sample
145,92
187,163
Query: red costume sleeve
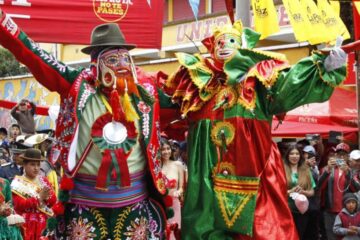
50,72
21,204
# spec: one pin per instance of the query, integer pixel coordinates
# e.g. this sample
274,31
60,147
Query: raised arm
306,82
51,73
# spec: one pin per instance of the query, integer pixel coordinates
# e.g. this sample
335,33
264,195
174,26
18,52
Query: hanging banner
265,17
64,21
317,31
298,19
333,23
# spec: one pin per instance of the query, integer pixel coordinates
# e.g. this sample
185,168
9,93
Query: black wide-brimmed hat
18,148
107,35
32,154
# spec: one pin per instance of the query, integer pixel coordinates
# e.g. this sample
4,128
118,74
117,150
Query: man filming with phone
335,180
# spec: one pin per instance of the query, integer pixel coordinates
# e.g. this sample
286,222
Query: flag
333,23
317,32
265,17
298,19
230,10
336,7
194,4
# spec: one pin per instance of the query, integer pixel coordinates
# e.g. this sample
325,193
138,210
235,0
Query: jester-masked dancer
237,185
107,134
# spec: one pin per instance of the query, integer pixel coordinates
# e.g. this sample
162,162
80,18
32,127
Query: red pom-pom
168,201
66,183
58,209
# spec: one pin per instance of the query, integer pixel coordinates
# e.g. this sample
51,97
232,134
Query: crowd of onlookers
323,182
28,179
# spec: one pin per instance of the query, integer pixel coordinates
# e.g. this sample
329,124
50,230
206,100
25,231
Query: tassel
115,106
130,113
58,209
66,183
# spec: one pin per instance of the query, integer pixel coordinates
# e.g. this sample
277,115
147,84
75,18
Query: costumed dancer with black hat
107,134
33,195
236,175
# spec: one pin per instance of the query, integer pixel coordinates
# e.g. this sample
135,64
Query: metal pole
242,11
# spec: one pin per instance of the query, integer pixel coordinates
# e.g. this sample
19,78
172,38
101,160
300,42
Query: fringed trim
317,63
273,55
170,82
195,68
269,80
226,98
248,105
207,93
222,201
222,127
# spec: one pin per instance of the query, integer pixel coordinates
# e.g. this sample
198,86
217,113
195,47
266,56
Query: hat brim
31,159
87,50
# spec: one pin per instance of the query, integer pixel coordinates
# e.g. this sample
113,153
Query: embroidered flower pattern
81,229
138,230
79,208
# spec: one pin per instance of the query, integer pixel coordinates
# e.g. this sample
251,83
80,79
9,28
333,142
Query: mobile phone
340,162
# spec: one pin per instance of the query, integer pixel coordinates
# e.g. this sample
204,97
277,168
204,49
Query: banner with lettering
298,19
333,23
265,17
65,21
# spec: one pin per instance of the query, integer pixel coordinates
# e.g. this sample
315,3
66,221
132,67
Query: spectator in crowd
174,174
354,162
33,195
335,180
7,232
299,180
175,147
14,132
4,155
24,113
13,168
3,137
312,227
347,222
310,159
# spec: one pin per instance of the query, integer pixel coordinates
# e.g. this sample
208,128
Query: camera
340,162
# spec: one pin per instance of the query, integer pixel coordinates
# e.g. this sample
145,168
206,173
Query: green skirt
9,232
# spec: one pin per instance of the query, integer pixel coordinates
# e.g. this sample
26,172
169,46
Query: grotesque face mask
115,68
226,46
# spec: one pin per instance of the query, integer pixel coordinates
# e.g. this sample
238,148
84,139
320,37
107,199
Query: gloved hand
336,58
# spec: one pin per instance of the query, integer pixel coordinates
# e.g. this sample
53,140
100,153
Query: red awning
290,129
341,110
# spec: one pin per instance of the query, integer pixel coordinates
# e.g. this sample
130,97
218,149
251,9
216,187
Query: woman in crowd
174,172
299,180
33,195
7,232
